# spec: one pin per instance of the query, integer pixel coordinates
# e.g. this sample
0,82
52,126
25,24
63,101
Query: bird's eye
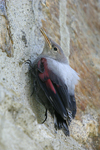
55,49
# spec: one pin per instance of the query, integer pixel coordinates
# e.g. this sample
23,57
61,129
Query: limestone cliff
73,24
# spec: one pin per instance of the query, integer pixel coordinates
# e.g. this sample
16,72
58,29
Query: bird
54,84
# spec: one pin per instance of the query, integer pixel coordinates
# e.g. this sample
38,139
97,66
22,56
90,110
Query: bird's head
52,49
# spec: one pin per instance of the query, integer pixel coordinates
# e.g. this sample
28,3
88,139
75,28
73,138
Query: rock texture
73,24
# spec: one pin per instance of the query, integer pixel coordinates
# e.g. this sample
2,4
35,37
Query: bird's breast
64,72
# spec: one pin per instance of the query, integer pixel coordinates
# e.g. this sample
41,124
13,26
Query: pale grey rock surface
19,112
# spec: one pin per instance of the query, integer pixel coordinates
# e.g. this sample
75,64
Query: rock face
73,24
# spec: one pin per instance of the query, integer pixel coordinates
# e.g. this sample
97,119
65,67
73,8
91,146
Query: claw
28,61
45,117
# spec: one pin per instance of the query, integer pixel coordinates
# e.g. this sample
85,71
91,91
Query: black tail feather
60,123
65,129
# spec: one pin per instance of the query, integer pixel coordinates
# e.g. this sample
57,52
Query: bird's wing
67,98
55,89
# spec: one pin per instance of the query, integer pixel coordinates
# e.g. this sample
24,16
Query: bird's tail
60,123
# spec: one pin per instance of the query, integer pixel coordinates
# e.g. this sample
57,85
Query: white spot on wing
51,99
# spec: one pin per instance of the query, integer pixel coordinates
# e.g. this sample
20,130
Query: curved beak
46,38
